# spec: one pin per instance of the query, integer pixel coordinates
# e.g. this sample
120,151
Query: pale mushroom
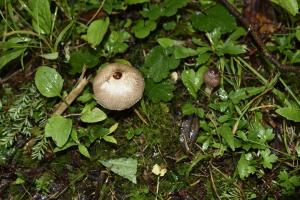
118,86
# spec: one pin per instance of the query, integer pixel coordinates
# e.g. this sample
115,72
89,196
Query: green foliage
289,113
193,80
158,64
83,57
48,81
125,167
143,28
289,5
268,158
157,92
41,16
10,55
96,31
288,182
92,115
246,166
116,43
59,129
215,17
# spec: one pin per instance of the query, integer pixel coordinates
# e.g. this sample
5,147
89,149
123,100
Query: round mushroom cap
118,86
212,78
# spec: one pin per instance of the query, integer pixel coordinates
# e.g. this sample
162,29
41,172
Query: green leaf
48,81
92,116
246,166
226,133
83,150
158,64
289,113
244,93
289,5
288,182
96,31
170,7
41,16
110,139
193,80
125,167
116,42
10,55
153,12
268,158
167,42
183,52
135,1
189,109
59,129
215,17
83,57
157,92
143,28
50,56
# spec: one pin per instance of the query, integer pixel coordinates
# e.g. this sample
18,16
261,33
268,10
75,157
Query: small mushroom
211,80
118,86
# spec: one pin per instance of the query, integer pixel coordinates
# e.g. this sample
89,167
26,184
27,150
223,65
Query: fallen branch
259,42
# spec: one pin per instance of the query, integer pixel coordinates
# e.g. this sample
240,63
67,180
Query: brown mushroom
118,86
211,80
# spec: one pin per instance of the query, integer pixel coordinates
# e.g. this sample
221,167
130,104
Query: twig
81,83
140,116
259,42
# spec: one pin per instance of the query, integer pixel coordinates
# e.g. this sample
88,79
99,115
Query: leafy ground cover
237,138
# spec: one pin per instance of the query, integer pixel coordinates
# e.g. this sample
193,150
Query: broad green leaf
157,92
152,12
215,17
246,166
193,80
167,42
170,7
289,113
245,93
226,133
10,55
83,57
289,5
158,64
183,52
230,48
189,109
91,116
48,81
83,150
268,158
110,139
41,16
143,28
96,31
59,129
125,167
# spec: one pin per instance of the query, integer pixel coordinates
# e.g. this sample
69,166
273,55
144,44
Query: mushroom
211,80
118,86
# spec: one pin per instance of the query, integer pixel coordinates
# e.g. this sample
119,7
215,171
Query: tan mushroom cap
118,86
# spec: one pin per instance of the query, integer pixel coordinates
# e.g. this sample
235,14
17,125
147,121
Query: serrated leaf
158,64
48,81
289,113
96,31
215,17
245,166
268,158
157,92
59,129
92,116
125,167
193,80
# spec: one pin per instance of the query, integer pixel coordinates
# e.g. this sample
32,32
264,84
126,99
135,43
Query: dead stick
259,42
63,105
